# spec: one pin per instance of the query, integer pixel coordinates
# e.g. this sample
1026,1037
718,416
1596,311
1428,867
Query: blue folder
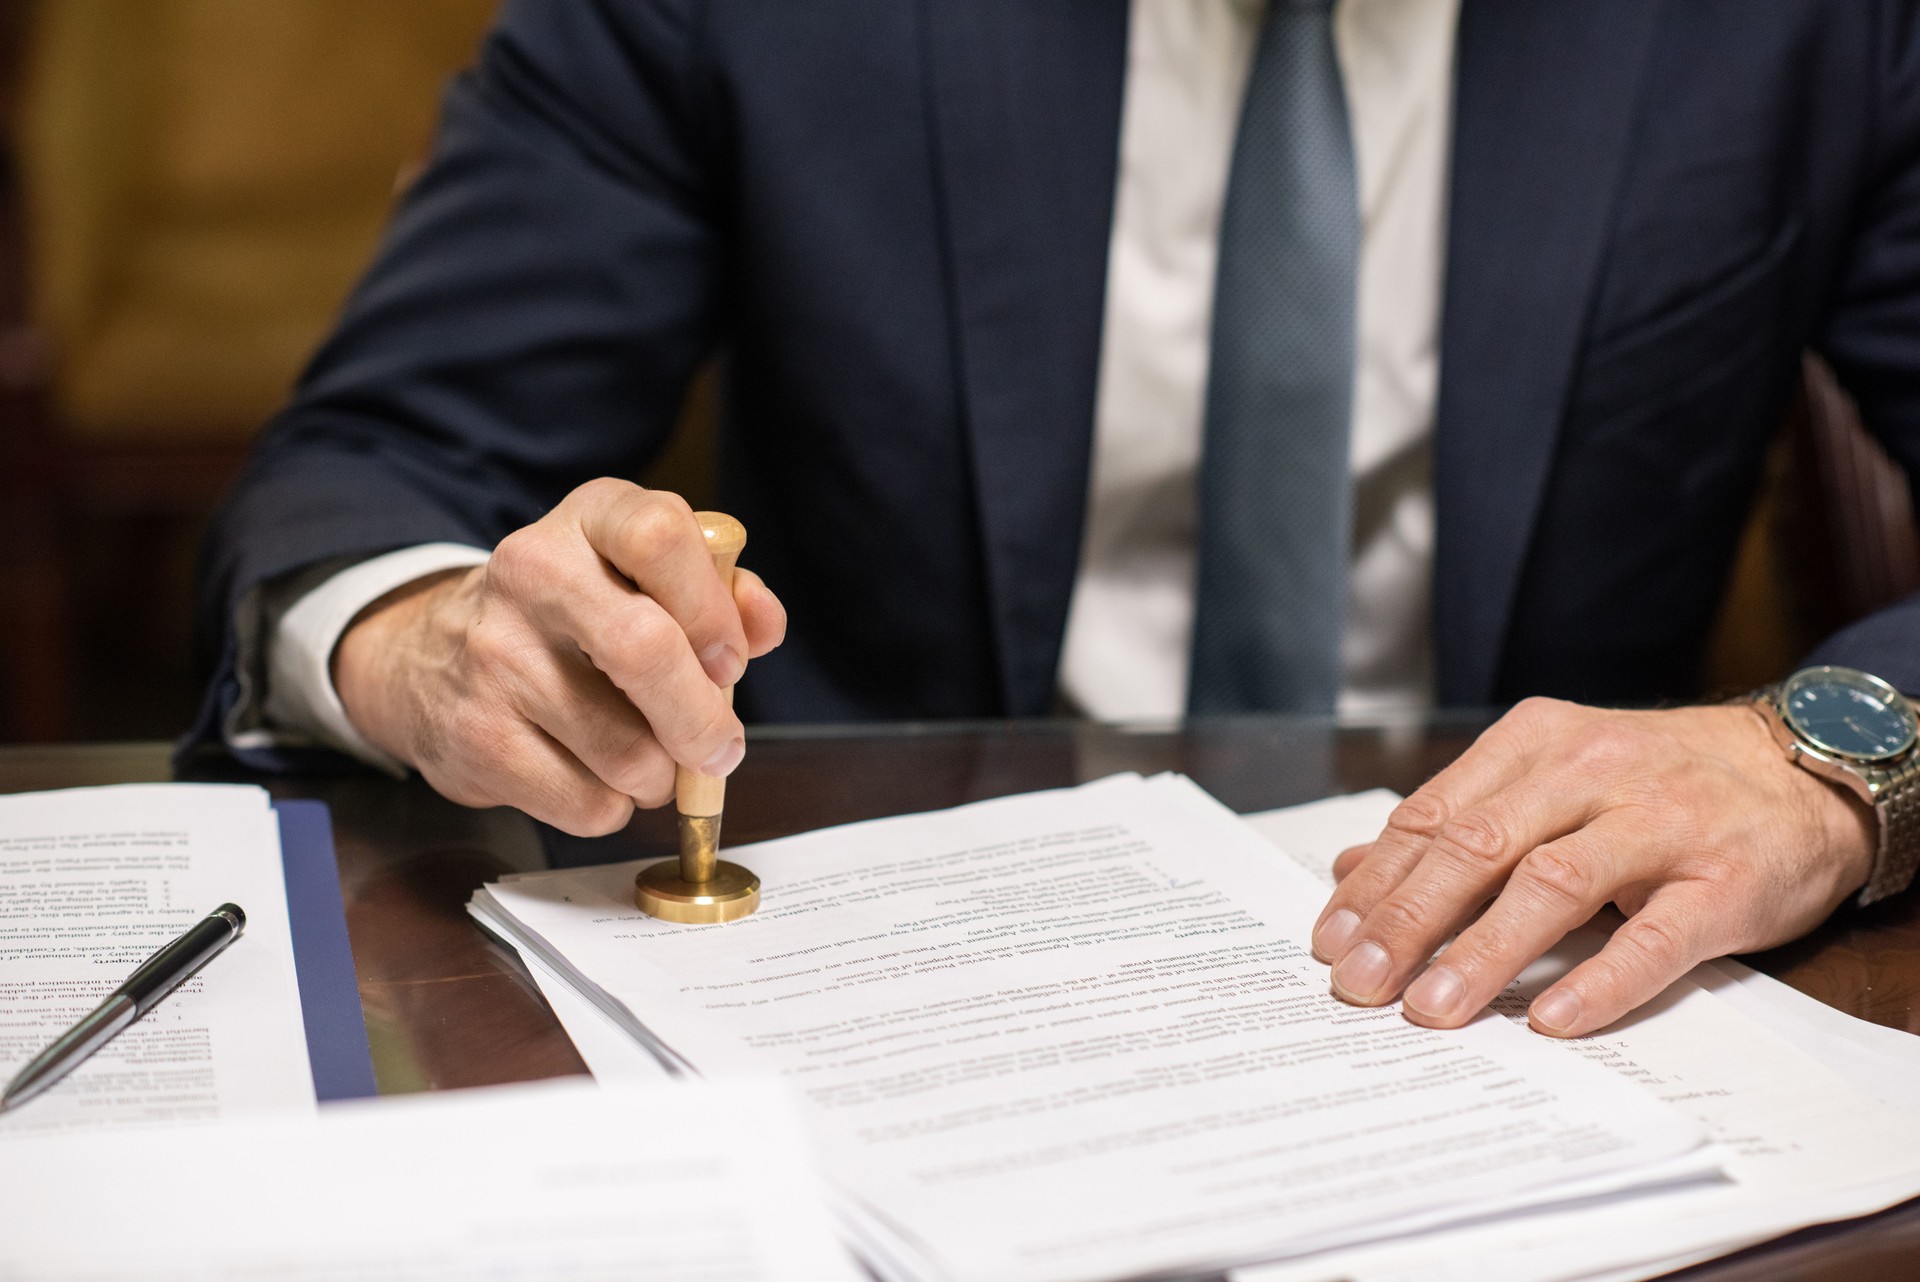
323,961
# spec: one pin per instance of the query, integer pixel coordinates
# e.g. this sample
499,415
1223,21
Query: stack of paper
1811,1108
92,881
1077,1035
675,1184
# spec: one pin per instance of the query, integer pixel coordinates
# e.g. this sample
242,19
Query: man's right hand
570,674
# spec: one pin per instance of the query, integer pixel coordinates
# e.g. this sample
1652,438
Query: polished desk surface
446,1007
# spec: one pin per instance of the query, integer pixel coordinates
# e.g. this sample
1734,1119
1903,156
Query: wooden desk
445,1007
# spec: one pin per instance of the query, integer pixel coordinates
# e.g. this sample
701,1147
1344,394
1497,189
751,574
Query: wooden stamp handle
696,794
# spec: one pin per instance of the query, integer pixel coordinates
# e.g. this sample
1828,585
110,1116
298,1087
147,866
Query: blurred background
188,189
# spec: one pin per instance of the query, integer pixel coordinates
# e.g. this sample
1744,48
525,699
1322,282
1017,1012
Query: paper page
1802,1146
1884,1061
92,882
1075,1034
615,1057
1880,1060
674,1184
1314,834
611,1053
1805,1144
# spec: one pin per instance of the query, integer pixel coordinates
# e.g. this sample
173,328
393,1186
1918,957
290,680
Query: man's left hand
1691,821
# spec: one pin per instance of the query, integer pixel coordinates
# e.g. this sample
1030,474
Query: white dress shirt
1130,624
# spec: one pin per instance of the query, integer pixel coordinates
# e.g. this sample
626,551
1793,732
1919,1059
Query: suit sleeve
1871,333
542,295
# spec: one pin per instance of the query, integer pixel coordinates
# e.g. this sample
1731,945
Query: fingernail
1331,939
1361,972
1436,994
1556,1011
722,763
723,663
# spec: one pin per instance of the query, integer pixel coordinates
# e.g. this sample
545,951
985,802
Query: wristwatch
1860,732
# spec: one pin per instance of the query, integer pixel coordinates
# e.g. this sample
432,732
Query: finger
1553,890
1676,931
527,769
583,711
646,656
1495,759
1465,862
761,614
549,598
1349,859
652,539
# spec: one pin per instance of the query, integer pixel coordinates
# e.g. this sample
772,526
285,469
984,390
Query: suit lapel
1545,101
1024,109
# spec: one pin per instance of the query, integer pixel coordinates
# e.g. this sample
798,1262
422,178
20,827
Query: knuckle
1655,944
1365,887
599,814
640,769
1396,917
1538,711
1604,746
605,489
671,502
1477,839
653,530
646,629
1558,874
572,802
521,562
642,646
1420,815
656,790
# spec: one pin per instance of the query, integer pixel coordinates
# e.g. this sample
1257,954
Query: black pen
158,975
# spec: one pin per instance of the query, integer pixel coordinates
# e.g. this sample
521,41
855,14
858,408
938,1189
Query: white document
1076,1034
1808,1140
611,1053
92,882
1884,1061
558,1180
1881,1060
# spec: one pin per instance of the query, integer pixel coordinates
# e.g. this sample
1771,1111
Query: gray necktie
1275,495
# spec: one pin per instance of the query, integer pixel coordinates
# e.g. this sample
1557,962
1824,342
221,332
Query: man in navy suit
1320,354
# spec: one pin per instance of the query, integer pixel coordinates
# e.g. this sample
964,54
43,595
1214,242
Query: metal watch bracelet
1896,802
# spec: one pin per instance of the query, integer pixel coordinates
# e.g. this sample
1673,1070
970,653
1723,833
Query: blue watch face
1848,713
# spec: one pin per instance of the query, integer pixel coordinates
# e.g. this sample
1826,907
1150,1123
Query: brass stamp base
730,894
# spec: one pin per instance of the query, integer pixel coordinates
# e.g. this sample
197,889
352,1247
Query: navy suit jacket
892,217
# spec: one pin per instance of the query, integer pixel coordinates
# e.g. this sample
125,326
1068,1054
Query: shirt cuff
301,705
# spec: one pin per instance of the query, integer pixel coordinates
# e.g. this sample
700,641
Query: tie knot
1310,5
